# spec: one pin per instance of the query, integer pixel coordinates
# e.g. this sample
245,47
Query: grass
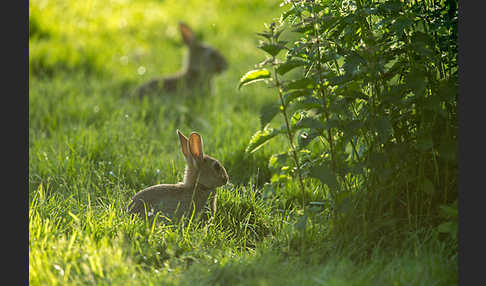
91,148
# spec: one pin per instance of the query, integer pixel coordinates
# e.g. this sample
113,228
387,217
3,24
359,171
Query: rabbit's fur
202,64
202,176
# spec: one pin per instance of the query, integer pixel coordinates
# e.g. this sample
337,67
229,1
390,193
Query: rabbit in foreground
203,174
202,64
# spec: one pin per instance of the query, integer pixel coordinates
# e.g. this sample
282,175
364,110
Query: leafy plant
368,94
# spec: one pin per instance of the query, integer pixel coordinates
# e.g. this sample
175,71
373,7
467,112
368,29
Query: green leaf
434,104
344,202
307,104
304,28
390,6
287,13
278,160
310,122
268,112
304,105
428,186
376,160
301,223
272,49
449,211
340,79
290,96
416,80
351,128
287,66
401,24
448,150
268,190
304,137
317,203
253,76
352,62
355,94
280,178
300,84
331,123
424,143
448,227
328,22
268,34
421,43
395,95
260,138
265,34
325,175
448,90
384,129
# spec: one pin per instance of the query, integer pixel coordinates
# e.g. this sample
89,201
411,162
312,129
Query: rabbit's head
211,172
202,57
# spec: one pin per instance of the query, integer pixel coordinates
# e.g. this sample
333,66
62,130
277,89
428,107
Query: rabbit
203,174
202,64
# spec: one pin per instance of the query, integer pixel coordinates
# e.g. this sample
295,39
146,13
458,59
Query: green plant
368,94
91,148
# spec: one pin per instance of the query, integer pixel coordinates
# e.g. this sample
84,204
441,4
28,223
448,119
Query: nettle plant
367,91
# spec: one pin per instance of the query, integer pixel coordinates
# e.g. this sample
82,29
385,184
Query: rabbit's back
170,83
171,201
202,63
163,197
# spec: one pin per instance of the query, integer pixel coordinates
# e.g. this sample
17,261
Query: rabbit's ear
184,143
196,146
187,34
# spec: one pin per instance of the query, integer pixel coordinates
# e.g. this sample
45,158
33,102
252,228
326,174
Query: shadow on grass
244,168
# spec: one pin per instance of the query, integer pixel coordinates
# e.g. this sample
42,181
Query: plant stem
290,136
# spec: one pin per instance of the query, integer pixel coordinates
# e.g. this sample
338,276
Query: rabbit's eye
216,166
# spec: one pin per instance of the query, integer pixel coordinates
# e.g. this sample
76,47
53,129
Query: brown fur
203,63
202,176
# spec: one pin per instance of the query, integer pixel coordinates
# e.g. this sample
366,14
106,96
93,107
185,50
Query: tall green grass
91,147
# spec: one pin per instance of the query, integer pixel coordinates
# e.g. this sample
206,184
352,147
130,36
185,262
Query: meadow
92,147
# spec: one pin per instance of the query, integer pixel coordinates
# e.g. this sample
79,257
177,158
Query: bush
368,94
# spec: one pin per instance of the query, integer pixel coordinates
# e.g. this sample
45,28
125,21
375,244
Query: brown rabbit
202,176
202,64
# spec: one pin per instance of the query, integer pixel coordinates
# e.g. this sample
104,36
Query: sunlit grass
91,147
125,35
